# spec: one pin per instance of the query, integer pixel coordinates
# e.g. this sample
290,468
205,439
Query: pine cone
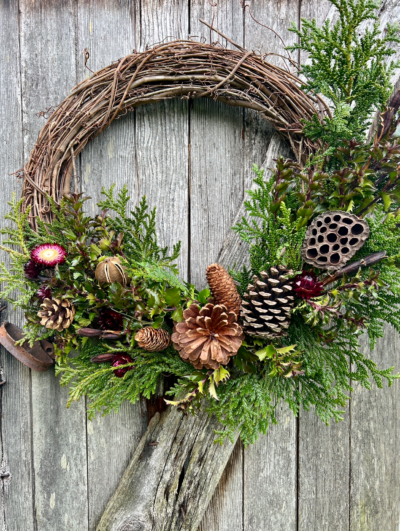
208,336
153,340
267,305
223,288
57,314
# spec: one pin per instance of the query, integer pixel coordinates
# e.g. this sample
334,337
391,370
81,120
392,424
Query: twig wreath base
178,69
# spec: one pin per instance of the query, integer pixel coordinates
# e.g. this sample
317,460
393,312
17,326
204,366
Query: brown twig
355,266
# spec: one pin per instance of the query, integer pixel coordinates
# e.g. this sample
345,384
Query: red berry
121,359
31,269
49,255
44,293
111,320
307,285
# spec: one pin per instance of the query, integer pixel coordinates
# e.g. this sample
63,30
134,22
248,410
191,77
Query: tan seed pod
223,288
110,270
152,339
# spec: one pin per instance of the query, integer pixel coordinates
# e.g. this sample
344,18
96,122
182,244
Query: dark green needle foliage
348,65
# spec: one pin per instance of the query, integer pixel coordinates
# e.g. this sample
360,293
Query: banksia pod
152,339
223,288
110,270
267,305
57,314
208,337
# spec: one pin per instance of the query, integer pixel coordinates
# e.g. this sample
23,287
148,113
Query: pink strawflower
49,255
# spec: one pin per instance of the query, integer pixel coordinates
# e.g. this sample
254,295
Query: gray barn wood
194,164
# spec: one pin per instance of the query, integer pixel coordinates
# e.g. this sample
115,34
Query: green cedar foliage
350,67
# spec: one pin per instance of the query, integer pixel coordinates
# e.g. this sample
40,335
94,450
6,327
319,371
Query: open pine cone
266,307
57,314
208,336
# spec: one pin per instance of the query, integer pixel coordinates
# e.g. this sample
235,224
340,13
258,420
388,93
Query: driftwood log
171,477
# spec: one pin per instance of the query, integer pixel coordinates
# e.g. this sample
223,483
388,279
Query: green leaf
173,297
387,201
177,315
211,389
203,296
266,352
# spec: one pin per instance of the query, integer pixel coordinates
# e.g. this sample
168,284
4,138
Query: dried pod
152,339
110,270
223,288
89,332
102,358
333,238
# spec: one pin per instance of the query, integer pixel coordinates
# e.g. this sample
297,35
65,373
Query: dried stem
355,266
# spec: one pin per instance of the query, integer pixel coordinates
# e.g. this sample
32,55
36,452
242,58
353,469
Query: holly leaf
211,389
173,297
266,352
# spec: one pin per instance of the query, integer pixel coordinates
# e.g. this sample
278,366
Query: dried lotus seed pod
333,238
110,270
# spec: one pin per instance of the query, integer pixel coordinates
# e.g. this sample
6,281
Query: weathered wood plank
162,134
374,445
270,475
16,422
109,159
59,438
324,467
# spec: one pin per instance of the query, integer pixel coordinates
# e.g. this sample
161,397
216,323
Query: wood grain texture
158,491
270,486
59,440
374,445
16,503
162,134
109,159
324,468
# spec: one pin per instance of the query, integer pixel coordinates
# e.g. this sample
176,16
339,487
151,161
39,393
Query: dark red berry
31,269
44,293
121,359
111,320
307,285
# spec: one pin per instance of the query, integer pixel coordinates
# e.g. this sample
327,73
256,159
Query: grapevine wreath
322,231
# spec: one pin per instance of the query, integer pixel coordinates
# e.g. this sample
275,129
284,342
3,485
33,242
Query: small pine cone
57,314
152,339
266,307
208,337
223,288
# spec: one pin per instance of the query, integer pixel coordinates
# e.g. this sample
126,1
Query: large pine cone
223,288
57,314
266,307
152,339
208,336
